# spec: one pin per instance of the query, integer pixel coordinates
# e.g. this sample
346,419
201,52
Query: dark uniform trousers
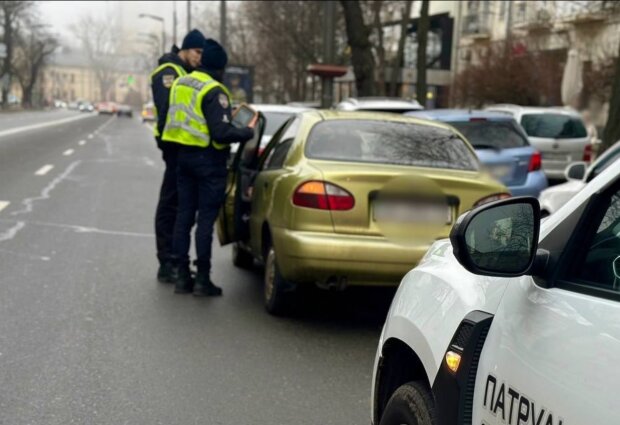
166,213
201,183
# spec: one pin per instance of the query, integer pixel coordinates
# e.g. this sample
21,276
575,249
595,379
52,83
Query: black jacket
161,86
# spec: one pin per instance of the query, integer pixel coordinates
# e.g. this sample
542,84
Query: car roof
452,115
286,109
378,102
332,114
533,109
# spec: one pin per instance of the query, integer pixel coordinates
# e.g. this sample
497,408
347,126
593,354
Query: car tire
411,404
275,294
241,258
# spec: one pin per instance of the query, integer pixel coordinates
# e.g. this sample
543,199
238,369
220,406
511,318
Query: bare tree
376,6
31,54
398,60
612,128
361,49
423,27
99,39
12,12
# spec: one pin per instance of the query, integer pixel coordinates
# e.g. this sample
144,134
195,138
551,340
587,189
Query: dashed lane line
4,204
82,142
90,136
68,152
44,170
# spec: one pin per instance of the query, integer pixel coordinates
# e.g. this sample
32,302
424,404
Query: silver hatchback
558,133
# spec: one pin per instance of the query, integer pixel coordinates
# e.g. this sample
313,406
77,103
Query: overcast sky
61,14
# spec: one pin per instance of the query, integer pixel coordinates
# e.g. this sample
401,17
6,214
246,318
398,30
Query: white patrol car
504,324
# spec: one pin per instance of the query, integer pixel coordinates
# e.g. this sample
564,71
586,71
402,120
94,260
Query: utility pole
189,15
174,22
327,88
223,23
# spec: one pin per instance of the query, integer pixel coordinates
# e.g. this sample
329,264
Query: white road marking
4,204
44,170
41,125
90,136
68,152
10,233
82,142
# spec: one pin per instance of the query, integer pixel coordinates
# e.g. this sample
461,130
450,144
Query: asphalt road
88,336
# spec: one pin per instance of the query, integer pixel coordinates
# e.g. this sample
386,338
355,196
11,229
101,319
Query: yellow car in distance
347,198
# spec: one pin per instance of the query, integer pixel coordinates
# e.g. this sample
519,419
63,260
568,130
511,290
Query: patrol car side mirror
499,238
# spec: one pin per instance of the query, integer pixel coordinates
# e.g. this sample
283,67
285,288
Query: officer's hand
252,123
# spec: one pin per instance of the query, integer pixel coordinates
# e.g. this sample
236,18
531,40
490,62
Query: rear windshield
386,142
274,120
492,134
553,126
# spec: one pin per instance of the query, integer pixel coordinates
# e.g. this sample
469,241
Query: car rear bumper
310,257
535,182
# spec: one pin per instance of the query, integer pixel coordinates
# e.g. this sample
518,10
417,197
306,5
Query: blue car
501,144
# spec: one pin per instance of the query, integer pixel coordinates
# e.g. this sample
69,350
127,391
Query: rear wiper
483,146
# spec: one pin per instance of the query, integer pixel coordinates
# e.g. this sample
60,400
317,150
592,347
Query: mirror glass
576,171
501,239
616,267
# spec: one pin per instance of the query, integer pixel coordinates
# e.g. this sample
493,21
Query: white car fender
431,302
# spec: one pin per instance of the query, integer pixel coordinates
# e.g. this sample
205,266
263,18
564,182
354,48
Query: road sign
2,50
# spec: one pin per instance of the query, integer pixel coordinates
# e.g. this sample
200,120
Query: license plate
555,156
500,171
411,212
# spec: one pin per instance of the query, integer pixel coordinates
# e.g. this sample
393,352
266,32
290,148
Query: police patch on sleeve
168,80
223,99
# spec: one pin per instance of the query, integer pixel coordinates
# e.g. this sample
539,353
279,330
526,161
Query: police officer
171,66
199,121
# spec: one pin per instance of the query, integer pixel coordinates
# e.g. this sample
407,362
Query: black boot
204,287
183,280
165,274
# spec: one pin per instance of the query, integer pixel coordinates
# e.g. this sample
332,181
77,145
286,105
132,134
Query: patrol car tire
411,404
277,300
241,258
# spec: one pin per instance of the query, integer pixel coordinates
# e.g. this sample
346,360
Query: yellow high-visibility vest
185,123
180,73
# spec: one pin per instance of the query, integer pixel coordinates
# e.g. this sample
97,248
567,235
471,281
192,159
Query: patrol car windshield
553,126
388,142
485,134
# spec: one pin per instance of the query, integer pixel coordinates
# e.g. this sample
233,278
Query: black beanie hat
193,40
213,55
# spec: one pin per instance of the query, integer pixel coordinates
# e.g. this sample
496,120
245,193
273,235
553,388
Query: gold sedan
347,198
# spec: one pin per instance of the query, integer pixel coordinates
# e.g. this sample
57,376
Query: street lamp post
163,27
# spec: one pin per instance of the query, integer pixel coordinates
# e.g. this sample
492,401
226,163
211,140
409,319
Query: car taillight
492,198
535,162
323,196
587,153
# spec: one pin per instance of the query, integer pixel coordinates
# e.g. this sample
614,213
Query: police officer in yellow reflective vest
172,65
199,121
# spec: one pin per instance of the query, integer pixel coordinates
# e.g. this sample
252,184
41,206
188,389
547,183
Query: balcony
531,17
477,26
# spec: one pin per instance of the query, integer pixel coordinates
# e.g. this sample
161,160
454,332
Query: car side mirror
575,171
499,238
616,268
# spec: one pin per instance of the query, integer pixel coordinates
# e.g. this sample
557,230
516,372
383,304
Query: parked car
342,198
106,108
500,143
506,324
124,111
558,133
148,112
578,175
379,104
86,107
73,106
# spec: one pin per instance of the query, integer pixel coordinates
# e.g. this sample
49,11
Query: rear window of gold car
387,142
